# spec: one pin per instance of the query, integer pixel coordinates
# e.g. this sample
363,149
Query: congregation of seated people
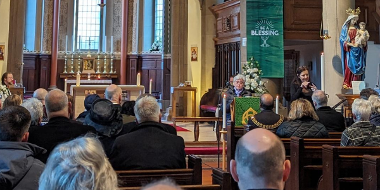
109,136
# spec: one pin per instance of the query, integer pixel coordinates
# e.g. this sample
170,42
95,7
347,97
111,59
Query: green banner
265,36
245,107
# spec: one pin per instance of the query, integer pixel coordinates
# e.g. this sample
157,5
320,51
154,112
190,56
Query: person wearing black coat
302,122
149,145
301,86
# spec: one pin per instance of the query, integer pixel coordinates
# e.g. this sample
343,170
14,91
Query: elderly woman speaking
237,90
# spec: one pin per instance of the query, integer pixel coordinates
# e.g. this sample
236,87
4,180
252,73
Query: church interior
185,53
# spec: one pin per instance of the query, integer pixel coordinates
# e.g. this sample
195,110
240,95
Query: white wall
4,23
373,60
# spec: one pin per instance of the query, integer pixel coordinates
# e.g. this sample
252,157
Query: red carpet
178,128
204,150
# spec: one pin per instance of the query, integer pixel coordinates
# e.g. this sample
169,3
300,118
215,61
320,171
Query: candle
322,72
224,111
150,86
138,79
88,76
78,79
65,88
277,104
98,77
79,44
66,45
111,44
72,39
105,43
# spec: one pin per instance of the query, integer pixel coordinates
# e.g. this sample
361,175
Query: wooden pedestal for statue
130,92
347,108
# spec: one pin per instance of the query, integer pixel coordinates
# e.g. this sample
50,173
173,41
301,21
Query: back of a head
127,108
35,108
163,184
40,94
56,100
239,77
361,109
367,92
259,156
302,108
89,100
12,100
147,109
14,123
79,164
112,92
266,102
320,98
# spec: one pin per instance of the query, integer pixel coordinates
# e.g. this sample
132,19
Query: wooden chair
190,176
371,172
343,166
306,160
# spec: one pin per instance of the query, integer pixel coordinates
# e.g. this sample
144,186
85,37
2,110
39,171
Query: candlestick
72,63
78,79
65,87
138,79
66,45
276,104
224,111
322,72
111,44
111,69
65,69
98,64
150,86
105,63
78,64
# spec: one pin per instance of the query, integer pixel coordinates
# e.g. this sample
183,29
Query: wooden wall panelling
30,73
166,78
132,69
151,68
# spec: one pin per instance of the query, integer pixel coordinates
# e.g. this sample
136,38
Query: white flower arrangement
156,46
252,73
4,91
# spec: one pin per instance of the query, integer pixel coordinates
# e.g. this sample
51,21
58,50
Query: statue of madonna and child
353,42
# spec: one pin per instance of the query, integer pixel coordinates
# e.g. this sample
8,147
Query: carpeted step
204,150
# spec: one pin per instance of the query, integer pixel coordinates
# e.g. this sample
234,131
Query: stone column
334,15
16,38
54,46
124,43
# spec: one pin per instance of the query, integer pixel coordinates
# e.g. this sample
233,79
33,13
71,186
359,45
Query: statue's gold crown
356,11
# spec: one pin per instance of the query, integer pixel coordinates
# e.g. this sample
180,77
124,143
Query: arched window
87,25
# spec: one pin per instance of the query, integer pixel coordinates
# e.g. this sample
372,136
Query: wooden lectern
18,90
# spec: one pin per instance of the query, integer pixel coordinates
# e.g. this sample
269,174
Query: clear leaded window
159,19
88,25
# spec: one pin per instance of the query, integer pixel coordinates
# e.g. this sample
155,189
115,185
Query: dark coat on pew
375,119
19,169
148,146
331,119
57,130
361,134
304,127
231,94
266,119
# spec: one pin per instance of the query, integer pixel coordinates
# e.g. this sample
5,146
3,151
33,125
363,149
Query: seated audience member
70,99
163,184
87,105
149,145
107,121
19,169
237,90
331,119
367,92
12,100
260,161
35,109
80,164
362,132
59,128
40,94
302,122
127,111
375,110
266,119
6,82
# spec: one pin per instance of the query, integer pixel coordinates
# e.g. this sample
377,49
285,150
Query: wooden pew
306,161
343,166
190,176
224,179
371,172
185,187
335,135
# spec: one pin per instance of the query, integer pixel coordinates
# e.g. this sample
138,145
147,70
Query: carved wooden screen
227,63
290,65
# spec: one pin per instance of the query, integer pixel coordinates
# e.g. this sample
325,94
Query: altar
79,93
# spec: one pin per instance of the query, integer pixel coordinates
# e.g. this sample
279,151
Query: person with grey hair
331,119
259,161
59,128
163,184
362,132
19,168
40,94
79,164
113,93
237,90
144,145
375,116
35,108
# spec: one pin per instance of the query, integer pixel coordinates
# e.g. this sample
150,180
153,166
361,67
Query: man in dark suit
149,145
59,128
266,119
331,119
